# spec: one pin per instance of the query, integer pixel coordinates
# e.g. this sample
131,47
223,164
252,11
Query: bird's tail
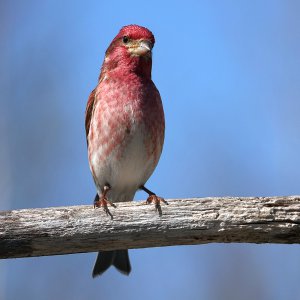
117,258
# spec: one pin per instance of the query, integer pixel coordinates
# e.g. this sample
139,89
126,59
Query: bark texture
63,230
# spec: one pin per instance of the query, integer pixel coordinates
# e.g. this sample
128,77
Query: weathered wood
62,230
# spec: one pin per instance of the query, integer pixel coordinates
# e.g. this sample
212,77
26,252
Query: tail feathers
117,258
122,262
103,262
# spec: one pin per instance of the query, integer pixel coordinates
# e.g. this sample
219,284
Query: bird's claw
104,202
156,200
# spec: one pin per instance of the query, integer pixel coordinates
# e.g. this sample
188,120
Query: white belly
127,167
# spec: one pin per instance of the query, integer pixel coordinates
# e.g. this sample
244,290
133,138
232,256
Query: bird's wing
89,112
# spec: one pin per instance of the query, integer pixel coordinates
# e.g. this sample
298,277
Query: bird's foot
104,202
156,200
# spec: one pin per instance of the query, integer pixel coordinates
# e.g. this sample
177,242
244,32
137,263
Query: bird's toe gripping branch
102,201
156,200
153,198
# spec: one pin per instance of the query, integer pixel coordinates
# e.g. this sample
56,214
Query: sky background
228,73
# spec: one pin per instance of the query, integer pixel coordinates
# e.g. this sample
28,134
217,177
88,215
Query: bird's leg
103,201
154,199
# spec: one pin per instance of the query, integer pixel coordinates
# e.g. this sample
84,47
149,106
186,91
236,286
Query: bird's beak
142,48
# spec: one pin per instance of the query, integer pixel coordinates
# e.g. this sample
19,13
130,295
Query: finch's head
135,40
130,50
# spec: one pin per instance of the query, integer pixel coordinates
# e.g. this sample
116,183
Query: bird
125,129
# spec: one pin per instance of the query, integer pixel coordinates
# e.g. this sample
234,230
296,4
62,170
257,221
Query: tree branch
62,230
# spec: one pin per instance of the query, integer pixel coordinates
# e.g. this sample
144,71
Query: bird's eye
125,39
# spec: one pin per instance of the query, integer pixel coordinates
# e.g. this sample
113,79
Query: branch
62,230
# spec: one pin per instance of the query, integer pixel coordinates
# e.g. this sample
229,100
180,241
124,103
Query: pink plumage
124,127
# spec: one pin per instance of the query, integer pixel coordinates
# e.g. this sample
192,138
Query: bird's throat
140,66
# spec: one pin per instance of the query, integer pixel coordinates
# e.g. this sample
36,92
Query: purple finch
125,129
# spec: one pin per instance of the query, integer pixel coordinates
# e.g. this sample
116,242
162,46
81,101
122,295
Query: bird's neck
133,66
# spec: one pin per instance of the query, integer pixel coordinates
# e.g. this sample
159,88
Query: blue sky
228,73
